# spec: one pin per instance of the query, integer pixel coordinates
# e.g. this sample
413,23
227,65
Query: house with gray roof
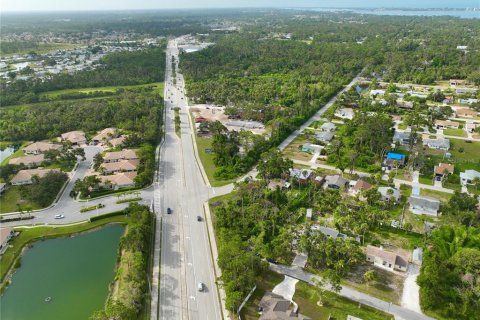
389,193
468,176
402,137
335,182
424,205
328,126
300,173
439,144
329,232
325,136
275,307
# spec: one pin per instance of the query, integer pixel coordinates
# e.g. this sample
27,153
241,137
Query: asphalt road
185,254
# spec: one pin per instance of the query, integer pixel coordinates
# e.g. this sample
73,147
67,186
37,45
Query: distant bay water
467,13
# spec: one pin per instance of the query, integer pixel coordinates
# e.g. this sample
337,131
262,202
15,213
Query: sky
88,5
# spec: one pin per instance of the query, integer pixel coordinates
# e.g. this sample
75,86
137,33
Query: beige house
29,161
386,260
25,176
443,170
75,137
127,154
118,142
442,124
40,147
120,166
467,113
105,135
118,180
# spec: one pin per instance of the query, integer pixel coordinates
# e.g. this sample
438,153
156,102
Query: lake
7,152
74,271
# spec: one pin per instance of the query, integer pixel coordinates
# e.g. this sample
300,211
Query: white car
200,286
59,216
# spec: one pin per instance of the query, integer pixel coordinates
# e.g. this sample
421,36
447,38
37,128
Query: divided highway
185,257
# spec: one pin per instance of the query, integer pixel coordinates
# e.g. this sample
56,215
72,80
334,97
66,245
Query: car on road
199,218
200,286
59,216
169,211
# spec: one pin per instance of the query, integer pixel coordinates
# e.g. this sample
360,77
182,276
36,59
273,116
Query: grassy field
11,199
306,297
442,196
29,235
207,161
455,132
43,48
333,305
465,154
54,94
293,152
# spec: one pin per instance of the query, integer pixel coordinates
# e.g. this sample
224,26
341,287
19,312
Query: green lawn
292,151
207,161
57,93
455,132
465,154
28,235
333,305
442,196
402,126
397,237
425,180
11,199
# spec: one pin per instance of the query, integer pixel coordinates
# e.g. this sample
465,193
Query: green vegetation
177,121
455,132
12,201
91,208
116,69
129,200
130,292
65,93
449,278
20,47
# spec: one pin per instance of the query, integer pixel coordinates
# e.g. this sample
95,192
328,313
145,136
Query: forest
116,69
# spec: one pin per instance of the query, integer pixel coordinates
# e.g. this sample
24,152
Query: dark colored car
169,211
199,218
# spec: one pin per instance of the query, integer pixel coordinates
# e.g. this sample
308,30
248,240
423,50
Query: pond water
75,272
7,152
361,89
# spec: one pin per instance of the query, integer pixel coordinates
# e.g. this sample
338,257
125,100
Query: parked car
199,218
59,216
200,286
169,211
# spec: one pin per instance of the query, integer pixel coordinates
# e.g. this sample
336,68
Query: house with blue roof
394,160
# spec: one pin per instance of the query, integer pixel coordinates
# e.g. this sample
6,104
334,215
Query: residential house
311,148
301,174
402,137
118,142
118,180
394,160
3,187
389,194
29,161
442,124
105,135
40,147
443,170
360,186
467,101
386,260
404,104
424,205
120,166
345,113
325,136
467,113
468,176
75,137
282,184
127,154
335,182
329,232
26,176
448,100
456,82
470,127
5,235
437,143
274,307
465,90
328,127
